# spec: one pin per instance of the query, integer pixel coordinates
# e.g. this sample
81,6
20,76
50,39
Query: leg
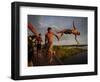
50,54
76,39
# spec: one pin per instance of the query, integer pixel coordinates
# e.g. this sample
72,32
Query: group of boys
49,38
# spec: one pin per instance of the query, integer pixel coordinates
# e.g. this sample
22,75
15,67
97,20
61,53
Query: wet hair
39,34
49,28
78,33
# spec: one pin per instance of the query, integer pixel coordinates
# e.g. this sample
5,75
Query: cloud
42,22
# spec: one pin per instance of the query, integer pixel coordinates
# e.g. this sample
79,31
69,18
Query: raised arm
32,28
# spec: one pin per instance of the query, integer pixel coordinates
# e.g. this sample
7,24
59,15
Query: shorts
38,46
68,31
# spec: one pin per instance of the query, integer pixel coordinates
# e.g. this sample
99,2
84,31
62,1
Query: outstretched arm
32,28
58,36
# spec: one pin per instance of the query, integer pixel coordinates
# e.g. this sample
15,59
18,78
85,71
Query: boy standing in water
49,37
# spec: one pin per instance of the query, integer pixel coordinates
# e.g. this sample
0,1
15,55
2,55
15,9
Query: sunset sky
42,22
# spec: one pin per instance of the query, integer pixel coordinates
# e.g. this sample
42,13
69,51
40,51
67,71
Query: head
49,29
78,33
39,34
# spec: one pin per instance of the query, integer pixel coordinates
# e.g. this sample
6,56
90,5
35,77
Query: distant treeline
73,45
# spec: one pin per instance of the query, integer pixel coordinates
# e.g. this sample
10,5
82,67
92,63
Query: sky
42,22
